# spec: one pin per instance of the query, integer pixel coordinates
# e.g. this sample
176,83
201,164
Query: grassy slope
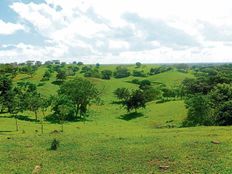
112,142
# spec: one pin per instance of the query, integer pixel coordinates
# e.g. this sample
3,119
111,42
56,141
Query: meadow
112,140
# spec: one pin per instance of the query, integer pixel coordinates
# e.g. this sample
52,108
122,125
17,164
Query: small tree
106,74
136,100
57,105
61,76
122,93
15,106
45,103
138,64
145,84
224,114
64,112
33,102
121,72
81,92
199,111
80,63
46,75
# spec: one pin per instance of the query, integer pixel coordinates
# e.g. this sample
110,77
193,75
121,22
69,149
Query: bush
145,84
139,73
41,84
106,74
54,145
135,81
199,111
121,72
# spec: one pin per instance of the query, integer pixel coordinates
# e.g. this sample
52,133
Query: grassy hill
112,141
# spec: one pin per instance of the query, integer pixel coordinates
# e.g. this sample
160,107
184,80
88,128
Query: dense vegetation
115,119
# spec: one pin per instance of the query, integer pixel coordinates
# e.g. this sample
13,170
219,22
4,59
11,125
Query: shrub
121,72
54,145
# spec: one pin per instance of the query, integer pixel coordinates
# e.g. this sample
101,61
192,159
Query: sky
116,31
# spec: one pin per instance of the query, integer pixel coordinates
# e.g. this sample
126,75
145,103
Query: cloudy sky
116,31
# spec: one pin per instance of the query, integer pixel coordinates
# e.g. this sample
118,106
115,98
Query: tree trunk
42,126
16,123
77,111
36,115
62,127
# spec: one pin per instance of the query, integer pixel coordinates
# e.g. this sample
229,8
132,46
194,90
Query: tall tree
81,92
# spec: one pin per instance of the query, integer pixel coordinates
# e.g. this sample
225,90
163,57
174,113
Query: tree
136,100
106,74
30,98
81,92
97,65
61,76
145,84
5,88
223,114
132,100
199,111
64,111
221,93
38,63
45,103
221,100
122,93
138,64
46,76
152,94
80,63
58,103
121,72
15,105
137,73
33,102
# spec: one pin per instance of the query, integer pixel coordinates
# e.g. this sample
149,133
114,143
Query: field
112,141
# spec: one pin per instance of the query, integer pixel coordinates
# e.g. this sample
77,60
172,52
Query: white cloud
122,31
7,28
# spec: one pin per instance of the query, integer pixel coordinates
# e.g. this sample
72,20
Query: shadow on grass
116,102
131,116
26,118
54,120
5,131
21,117
56,82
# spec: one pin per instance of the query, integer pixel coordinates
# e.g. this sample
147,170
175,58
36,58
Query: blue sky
116,31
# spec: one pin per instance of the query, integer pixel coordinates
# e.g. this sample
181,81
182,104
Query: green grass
111,141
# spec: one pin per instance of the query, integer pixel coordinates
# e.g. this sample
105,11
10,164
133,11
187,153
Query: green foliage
61,104
54,145
106,74
199,111
46,76
80,63
223,114
136,81
152,94
92,73
61,76
158,70
122,93
136,100
81,92
5,90
138,64
137,73
144,84
121,72
149,139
